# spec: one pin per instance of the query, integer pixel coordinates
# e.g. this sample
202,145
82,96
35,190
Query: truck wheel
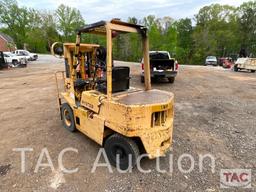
142,80
253,71
124,147
235,68
171,79
67,117
15,62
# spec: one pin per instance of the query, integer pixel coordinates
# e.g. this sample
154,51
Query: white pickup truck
245,63
14,60
27,54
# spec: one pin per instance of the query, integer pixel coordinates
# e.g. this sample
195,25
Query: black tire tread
142,80
132,143
72,128
235,68
171,79
129,141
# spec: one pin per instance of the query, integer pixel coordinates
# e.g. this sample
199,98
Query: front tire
252,71
23,65
235,68
15,62
116,145
68,117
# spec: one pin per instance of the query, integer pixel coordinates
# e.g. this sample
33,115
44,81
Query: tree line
219,30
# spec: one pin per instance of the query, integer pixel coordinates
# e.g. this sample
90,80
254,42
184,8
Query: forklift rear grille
159,118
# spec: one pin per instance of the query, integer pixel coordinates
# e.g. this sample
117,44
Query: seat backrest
120,78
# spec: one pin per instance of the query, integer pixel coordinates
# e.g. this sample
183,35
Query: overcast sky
95,10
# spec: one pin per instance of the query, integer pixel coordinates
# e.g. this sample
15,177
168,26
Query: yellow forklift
98,101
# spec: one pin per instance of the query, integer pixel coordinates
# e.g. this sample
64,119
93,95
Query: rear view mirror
57,49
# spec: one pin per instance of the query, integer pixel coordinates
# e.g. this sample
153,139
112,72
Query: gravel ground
215,113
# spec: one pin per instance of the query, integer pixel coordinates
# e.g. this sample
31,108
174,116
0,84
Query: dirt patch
214,113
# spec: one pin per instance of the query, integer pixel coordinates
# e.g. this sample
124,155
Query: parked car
14,60
220,61
3,64
245,63
211,60
29,56
22,53
161,66
226,62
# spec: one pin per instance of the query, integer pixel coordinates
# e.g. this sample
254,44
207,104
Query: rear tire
142,80
68,117
235,68
171,79
253,71
15,62
125,147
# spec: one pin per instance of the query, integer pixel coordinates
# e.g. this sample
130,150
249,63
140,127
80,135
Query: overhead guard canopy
107,28
116,25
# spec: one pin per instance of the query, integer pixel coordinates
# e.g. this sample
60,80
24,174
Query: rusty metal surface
145,97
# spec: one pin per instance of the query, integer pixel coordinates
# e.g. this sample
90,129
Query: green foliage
127,47
219,30
184,40
162,33
247,25
49,29
36,41
215,32
69,20
14,19
38,29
